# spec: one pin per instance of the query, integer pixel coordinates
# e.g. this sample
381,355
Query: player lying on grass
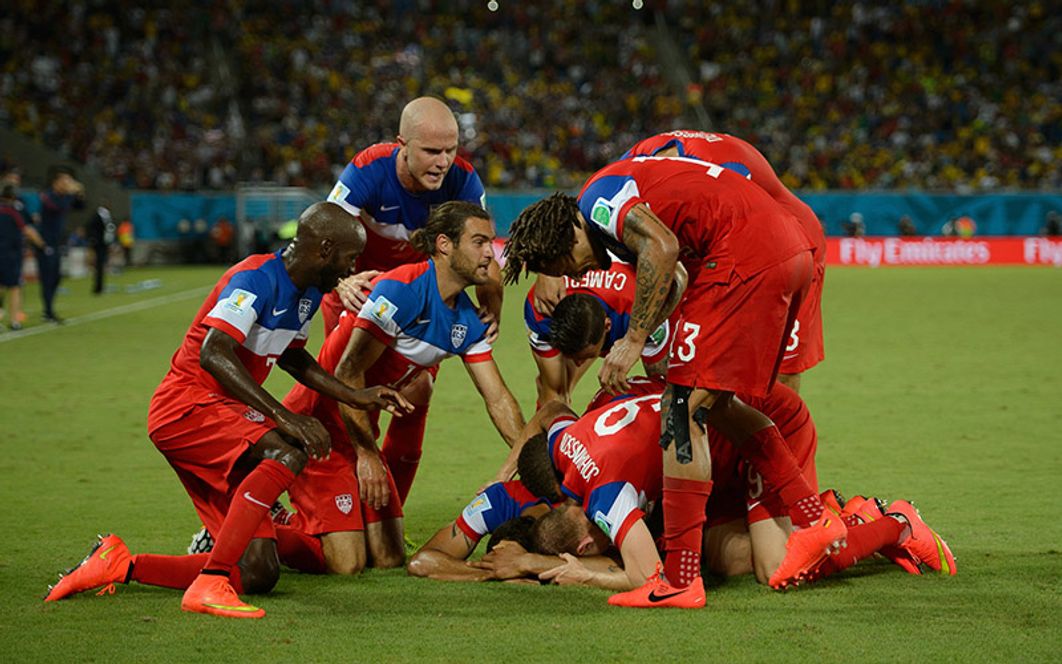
605,462
235,447
349,509
565,341
750,264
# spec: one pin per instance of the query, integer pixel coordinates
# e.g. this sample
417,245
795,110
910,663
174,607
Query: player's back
742,157
720,218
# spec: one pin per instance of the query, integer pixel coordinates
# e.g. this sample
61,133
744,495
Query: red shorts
738,491
203,447
325,495
732,334
804,347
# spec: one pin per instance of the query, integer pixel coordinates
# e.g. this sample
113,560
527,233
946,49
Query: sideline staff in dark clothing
100,234
63,194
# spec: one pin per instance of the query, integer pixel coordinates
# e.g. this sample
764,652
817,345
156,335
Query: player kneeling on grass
349,507
235,447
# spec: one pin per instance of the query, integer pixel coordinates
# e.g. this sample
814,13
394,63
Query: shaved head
329,221
426,114
327,242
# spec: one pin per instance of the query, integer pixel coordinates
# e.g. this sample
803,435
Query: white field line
106,313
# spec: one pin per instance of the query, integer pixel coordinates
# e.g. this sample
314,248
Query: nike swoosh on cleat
653,597
248,496
278,313
103,556
225,607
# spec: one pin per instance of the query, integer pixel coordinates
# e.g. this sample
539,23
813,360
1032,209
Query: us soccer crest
252,415
305,307
457,334
345,502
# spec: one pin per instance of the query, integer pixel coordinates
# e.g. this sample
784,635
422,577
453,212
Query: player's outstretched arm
305,369
218,357
657,250
443,557
640,557
552,381
594,571
539,423
501,404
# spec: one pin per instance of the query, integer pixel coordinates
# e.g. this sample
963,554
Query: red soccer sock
684,503
300,551
252,501
767,451
174,571
402,447
864,540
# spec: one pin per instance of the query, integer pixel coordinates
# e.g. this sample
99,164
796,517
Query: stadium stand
955,96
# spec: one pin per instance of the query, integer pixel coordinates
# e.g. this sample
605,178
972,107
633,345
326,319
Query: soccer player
749,264
13,228
586,323
500,504
392,188
233,445
593,458
416,316
804,348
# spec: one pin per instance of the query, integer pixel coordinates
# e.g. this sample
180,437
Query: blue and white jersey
370,184
406,312
498,503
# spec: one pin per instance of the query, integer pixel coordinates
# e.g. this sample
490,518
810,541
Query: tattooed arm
443,557
657,249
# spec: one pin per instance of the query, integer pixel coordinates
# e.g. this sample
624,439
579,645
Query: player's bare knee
388,558
347,565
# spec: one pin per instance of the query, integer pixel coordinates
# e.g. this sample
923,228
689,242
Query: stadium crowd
936,95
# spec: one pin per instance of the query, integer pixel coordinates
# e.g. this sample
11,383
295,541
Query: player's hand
308,430
503,561
383,398
618,362
491,321
548,292
352,290
572,573
373,488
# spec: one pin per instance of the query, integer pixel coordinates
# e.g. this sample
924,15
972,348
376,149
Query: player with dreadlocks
749,265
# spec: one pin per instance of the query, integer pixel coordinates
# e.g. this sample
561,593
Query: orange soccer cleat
833,500
807,548
656,593
105,565
212,593
924,544
872,509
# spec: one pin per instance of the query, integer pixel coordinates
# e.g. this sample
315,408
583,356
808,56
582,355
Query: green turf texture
941,385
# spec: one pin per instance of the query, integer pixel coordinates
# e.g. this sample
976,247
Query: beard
468,270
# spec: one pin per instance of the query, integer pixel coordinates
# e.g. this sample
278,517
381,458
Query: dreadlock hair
536,469
578,321
543,232
552,534
448,219
517,530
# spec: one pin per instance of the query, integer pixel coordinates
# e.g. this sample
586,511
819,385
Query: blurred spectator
961,227
126,240
1052,225
854,227
62,194
906,227
223,236
13,228
953,96
100,233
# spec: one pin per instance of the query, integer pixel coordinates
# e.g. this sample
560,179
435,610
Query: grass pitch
940,385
